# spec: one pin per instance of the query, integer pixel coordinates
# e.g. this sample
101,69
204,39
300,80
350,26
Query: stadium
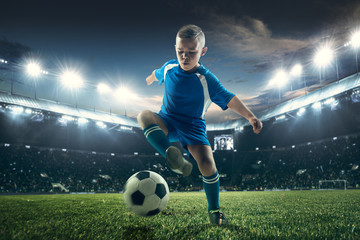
64,167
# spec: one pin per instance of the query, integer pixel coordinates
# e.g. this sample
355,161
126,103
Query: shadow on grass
203,230
138,232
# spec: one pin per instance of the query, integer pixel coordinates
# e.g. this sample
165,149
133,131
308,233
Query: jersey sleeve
218,93
160,72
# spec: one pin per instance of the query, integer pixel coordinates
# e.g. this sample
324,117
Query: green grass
252,215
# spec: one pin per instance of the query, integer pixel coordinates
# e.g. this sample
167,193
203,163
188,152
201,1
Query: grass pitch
252,215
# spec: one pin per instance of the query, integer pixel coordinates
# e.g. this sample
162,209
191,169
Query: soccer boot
217,217
176,161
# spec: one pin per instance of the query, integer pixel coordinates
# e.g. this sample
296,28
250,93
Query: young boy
189,90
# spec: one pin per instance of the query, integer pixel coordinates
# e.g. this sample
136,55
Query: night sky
121,42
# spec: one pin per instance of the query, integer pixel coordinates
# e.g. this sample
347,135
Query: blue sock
157,138
211,186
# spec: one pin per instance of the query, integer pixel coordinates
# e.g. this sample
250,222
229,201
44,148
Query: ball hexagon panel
139,210
147,186
151,202
157,177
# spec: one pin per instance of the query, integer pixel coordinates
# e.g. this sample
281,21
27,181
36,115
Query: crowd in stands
25,169
302,167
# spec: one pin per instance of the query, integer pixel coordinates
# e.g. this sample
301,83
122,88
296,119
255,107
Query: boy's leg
206,163
157,133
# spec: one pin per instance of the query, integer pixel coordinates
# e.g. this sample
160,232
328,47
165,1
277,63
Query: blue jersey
189,95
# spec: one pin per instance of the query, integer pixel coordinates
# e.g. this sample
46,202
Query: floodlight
296,70
33,69
82,121
67,118
280,79
281,117
100,124
28,111
301,111
124,94
71,79
329,101
316,105
103,88
324,56
17,109
355,39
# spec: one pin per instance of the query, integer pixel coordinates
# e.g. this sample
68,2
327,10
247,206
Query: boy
189,90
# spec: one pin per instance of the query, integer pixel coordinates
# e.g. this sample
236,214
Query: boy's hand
150,79
256,124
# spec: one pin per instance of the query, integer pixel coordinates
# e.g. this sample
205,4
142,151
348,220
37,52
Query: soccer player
189,90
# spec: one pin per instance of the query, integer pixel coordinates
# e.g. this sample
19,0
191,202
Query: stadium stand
44,143
31,169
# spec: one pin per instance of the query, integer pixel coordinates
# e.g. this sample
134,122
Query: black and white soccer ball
146,193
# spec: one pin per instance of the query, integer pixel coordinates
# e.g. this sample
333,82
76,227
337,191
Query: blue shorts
185,130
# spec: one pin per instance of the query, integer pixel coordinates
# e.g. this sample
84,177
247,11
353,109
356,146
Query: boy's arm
239,107
151,78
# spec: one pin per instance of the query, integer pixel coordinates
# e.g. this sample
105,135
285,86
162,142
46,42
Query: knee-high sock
157,138
211,186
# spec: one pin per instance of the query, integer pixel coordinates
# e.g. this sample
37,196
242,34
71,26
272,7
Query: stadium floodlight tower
323,57
33,69
355,42
72,80
124,94
280,79
103,88
296,71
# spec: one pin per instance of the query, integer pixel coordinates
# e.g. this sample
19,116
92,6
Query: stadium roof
323,93
46,105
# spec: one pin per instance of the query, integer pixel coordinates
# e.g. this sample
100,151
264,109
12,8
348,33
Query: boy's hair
192,32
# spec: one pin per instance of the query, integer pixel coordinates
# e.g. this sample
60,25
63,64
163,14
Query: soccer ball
146,193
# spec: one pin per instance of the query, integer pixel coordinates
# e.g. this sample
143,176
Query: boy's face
188,52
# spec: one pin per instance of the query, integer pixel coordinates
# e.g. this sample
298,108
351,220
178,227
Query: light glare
82,121
323,57
124,94
301,111
280,79
296,70
355,39
71,79
33,69
316,105
101,124
103,88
